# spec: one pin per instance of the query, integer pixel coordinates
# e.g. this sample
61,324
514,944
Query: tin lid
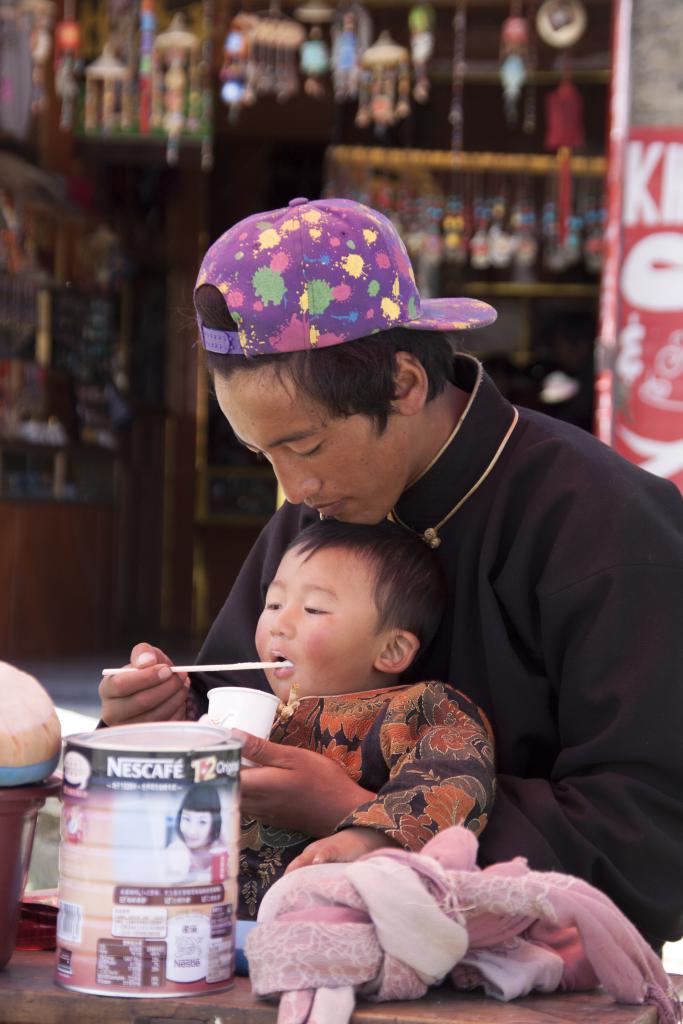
158,736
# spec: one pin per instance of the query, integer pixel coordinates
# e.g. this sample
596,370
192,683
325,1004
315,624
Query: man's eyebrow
300,435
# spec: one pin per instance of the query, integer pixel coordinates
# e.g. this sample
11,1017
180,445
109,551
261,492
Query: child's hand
295,788
348,845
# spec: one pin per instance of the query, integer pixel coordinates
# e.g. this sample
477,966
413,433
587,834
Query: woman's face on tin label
195,828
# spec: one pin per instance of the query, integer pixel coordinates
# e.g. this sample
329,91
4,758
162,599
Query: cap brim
453,315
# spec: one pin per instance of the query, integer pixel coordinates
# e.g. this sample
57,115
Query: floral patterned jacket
426,750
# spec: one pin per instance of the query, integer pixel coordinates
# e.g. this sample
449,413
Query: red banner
648,412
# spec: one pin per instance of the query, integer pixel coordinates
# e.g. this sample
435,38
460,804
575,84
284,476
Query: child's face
195,828
320,614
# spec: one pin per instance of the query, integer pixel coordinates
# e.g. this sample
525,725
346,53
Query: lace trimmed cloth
391,924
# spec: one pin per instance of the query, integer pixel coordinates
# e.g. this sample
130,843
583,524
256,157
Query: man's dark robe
564,623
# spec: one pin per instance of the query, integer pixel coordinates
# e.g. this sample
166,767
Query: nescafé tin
148,860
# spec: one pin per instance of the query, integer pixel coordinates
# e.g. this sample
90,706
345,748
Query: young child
350,606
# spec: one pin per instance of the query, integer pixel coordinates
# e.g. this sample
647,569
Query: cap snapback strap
221,342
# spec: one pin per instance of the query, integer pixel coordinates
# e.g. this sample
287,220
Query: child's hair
204,798
410,589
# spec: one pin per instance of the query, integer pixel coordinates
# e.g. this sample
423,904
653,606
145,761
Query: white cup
241,708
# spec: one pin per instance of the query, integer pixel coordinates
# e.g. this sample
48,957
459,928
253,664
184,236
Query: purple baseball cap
318,273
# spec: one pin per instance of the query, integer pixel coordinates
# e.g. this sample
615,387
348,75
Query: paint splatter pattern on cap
316,274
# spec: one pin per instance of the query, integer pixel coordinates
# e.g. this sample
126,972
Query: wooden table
28,995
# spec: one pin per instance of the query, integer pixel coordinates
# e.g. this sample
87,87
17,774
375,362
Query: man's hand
150,692
348,845
294,788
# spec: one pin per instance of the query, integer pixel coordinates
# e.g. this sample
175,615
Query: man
564,562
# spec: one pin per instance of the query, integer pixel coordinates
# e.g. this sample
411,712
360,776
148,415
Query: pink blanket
393,923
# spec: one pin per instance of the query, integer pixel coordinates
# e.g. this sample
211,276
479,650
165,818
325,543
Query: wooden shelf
408,160
440,70
597,76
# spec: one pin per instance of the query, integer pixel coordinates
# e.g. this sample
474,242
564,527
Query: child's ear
398,651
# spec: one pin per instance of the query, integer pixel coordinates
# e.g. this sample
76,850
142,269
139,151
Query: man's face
320,614
340,466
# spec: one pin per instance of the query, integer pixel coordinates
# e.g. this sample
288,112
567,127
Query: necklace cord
431,535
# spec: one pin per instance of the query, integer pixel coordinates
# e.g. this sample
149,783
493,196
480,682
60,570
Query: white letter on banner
652,273
639,170
672,185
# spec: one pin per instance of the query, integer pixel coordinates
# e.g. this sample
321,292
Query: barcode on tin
70,921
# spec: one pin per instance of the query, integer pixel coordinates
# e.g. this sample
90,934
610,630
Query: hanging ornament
514,40
421,20
414,221
314,59
176,95
40,15
529,115
314,12
553,251
480,251
205,69
523,223
274,47
363,117
401,200
12,253
561,23
431,252
107,107
314,55
123,23
67,42
351,34
573,243
456,114
388,79
362,190
564,196
564,131
147,30
453,229
15,75
594,242
382,197
564,117
501,241
270,45
235,91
